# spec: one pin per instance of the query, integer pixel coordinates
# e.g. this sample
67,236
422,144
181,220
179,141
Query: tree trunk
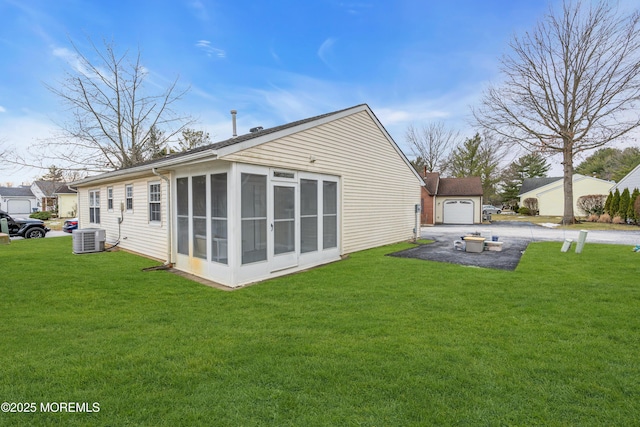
567,167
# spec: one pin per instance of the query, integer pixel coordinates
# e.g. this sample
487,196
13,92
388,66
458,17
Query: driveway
52,233
531,232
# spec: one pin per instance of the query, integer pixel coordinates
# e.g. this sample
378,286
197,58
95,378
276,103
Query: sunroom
238,223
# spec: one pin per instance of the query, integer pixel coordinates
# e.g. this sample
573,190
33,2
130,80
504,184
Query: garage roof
470,186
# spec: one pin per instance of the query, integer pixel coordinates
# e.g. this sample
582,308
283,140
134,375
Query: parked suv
28,228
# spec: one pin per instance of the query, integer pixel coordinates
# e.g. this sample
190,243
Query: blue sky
273,61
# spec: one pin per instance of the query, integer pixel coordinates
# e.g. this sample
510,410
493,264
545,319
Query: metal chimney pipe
233,121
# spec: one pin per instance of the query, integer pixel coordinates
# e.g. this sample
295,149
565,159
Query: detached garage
451,200
17,201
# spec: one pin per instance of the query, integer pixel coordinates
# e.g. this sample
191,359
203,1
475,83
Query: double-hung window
128,192
94,206
154,202
109,198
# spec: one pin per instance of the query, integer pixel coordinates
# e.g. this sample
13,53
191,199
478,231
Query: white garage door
18,207
458,212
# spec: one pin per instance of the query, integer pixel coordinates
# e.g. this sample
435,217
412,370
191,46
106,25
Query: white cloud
324,52
199,9
210,51
2,109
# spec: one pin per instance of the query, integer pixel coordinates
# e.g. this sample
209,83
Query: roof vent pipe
233,121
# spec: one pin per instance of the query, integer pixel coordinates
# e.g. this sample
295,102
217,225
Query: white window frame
110,199
128,197
94,206
152,201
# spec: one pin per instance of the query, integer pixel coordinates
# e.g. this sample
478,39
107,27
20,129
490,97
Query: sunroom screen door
283,227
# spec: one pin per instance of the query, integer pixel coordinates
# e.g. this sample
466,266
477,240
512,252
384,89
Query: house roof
431,180
64,189
530,184
48,188
241,142
16,192
469,186
630,180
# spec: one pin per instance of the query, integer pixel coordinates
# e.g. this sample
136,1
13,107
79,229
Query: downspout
169,222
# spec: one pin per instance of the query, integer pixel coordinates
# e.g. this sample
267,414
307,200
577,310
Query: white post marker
566,245
582,237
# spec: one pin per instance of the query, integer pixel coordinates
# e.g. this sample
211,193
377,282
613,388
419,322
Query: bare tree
571,85
113,115
431,143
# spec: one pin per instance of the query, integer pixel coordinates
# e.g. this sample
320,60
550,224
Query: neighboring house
550,192
45,193
451,200
67,200
17,201
630,181
267,203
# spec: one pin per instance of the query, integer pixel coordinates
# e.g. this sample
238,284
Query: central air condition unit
88,240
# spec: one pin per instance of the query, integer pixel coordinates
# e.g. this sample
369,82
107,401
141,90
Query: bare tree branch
571,85
431,143
111,113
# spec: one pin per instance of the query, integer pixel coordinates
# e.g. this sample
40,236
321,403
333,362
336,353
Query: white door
283,228
458,212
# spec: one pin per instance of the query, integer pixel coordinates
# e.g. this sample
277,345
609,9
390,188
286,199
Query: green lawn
371,340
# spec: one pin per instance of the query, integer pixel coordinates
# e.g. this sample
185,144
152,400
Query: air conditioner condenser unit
88,240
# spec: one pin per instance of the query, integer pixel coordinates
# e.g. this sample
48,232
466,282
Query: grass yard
368,341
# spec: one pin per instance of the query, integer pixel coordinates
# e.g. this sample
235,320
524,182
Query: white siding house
263,204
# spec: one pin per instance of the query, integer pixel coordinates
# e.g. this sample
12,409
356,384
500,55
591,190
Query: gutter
168,262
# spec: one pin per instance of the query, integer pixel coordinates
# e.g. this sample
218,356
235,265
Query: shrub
631,211
607,203
615,203
592,203
531,203
636,208
618,220
605,217
524,211
593,218
45,215
625,199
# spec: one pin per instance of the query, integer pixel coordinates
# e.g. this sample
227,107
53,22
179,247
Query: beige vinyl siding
67,205
137,234
378,194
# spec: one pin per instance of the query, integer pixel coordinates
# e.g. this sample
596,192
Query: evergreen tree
192,138
54,174
624,203
631,212
477,156
607,203
615,203
532,165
